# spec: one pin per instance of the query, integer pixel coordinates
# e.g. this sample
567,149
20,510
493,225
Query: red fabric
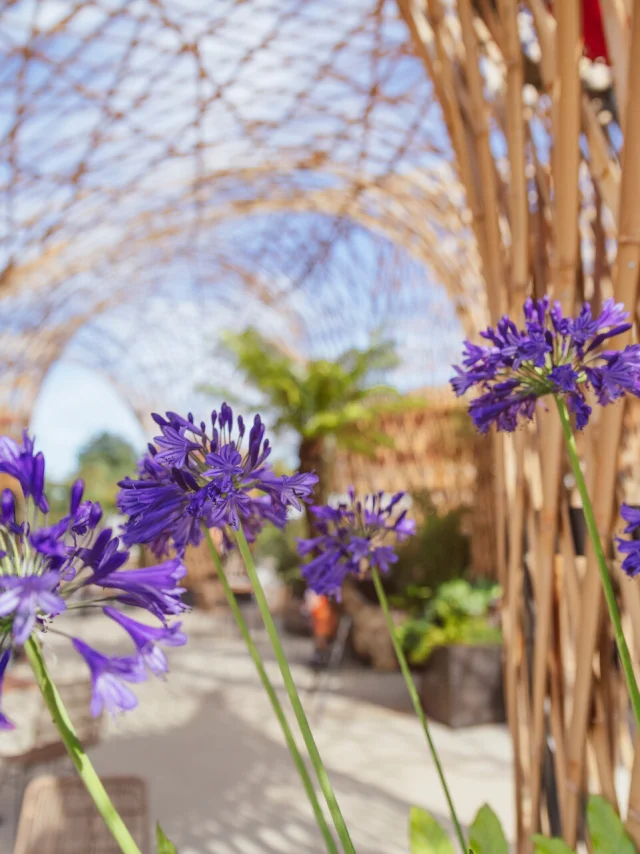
595,43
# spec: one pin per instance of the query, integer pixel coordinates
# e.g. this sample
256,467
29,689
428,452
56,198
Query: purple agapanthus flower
27,468
5,723
193,477
44,568
630,548
353,537
551,355
154,588
157,509
24,597
149,638
108,673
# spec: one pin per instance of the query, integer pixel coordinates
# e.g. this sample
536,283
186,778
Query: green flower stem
273,697
287,676
594,536
417,705
79,758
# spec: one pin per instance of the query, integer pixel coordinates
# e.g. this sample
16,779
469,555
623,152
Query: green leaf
425,834
550,846
606,831
487,836
164,845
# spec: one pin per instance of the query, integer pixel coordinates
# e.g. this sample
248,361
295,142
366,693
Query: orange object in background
323,618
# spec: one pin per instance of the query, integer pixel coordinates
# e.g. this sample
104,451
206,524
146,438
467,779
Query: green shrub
439,552
458,613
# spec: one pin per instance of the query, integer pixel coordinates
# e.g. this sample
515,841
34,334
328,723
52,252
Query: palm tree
327,403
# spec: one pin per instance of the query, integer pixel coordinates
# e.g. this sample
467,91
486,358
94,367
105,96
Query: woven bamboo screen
434,448
546,144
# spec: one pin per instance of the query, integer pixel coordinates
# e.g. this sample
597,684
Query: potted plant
458,642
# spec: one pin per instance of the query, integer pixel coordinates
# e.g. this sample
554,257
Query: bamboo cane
631,598
614,19
443,69
604,171
486,167
494,273
565,163
518,203
546,29
626,287
511,627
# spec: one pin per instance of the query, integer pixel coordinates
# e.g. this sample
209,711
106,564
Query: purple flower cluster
630,548
190,478
552,355
44,567
352,538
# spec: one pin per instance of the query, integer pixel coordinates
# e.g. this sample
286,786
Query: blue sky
74,405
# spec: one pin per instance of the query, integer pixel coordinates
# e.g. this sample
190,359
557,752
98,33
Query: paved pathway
221,781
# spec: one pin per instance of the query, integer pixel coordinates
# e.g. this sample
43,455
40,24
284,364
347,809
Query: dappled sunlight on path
221,780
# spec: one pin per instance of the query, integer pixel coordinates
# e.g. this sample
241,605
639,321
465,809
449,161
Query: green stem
607,586
287,676
273,697
415,699
79,758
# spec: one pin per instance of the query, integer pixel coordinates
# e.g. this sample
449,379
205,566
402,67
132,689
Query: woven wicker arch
133,133
40,288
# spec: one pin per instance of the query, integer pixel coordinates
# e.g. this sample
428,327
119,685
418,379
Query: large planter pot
462,685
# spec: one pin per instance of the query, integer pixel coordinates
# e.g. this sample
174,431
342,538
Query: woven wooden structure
435,448
546,146
432,448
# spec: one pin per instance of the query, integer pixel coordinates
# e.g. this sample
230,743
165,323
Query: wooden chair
59,817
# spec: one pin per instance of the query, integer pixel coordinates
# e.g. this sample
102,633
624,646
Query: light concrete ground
220,779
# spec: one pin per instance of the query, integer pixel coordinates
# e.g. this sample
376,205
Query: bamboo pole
571,578
486,167
614,20
632,824
626,289
599,730
443,70
631,599
518,202
546,29
566,151
604,170
494,272
557,687
512,628
565,165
